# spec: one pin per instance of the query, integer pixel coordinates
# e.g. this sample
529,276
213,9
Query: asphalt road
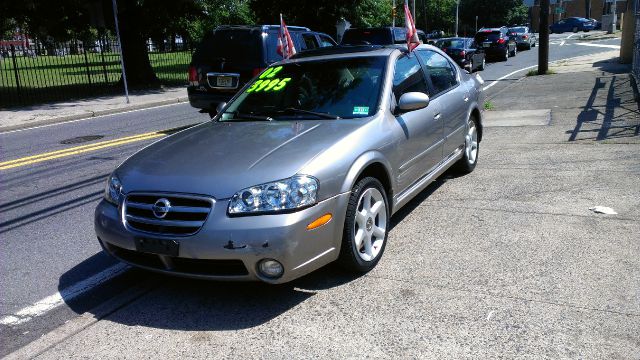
46,206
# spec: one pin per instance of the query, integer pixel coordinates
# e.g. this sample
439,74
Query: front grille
205,267
183,214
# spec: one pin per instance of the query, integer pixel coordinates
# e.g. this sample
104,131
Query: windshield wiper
238,116
318,114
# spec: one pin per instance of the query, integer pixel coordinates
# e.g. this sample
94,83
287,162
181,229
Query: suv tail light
501,41
193,75
257,71
525,37
463,53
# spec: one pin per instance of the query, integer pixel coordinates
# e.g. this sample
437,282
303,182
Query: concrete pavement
505,262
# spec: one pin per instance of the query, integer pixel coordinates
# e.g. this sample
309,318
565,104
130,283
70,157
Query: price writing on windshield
268,82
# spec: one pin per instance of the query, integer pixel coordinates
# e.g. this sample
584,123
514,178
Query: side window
308,42
408,77
325,41
442,74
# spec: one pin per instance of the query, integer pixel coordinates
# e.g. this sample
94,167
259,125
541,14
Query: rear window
487,36
519,30
367,37
232,45
451,43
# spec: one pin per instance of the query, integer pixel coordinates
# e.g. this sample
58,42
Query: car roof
343,49
454,38
263,27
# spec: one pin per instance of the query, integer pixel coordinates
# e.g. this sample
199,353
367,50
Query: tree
491,13
323,15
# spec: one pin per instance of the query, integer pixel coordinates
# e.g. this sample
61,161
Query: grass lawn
74,70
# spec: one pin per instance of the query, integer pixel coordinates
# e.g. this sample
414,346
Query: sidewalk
11,119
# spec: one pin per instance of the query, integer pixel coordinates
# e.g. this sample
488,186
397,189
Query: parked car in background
597,25
231,55
573,24
524,37
496,43
464,52
374,36
305,166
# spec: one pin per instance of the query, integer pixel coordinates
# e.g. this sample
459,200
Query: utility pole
476,23
393,14
414,12
543,51
124,73
457,11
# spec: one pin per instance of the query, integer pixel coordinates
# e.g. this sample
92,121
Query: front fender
361,163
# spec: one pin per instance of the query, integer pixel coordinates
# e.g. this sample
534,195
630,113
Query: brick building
593,9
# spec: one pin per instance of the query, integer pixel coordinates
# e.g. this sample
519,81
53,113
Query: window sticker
268,85
360,110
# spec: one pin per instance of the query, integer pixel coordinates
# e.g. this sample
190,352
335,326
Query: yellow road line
77,150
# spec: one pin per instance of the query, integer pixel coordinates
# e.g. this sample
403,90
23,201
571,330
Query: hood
218,159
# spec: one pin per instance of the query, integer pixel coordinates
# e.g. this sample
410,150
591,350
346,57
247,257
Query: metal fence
38,73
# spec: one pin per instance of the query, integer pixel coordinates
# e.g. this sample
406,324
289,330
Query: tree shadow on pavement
609,116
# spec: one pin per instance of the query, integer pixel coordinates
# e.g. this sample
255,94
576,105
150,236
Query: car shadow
175,303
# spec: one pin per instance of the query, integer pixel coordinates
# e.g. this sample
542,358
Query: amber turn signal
320,221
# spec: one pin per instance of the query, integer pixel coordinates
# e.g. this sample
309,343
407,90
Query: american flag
412,33
285,44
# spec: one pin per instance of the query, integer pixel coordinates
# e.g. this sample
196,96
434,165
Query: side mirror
413,101
220,107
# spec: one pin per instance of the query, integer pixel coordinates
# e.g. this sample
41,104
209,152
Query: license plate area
157,246
223,80
486,44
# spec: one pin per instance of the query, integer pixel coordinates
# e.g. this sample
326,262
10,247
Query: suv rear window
367,36
519,30
487,36
233,45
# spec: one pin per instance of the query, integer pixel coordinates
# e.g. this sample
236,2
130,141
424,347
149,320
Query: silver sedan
303,167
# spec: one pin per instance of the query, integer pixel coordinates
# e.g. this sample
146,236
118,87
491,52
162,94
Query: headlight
113,190
288,194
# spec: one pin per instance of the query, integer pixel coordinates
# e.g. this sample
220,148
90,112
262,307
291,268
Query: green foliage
491,13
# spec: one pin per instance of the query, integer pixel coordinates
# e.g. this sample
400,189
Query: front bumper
283,237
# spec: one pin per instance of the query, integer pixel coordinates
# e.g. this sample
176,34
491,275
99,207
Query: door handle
437,116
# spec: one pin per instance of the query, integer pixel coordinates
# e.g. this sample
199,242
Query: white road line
506,76
562,43
87,118
51,302
600,45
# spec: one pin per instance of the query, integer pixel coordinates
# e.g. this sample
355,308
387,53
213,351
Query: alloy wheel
471,143
370,226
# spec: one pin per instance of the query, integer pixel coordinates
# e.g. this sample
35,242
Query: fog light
270,268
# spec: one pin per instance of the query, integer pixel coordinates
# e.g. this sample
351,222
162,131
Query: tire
575,29
506,55
534,44
528,46
483,65
472,67
471,149
514,52
371,227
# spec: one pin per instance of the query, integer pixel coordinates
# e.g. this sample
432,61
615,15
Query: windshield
451,43
330,89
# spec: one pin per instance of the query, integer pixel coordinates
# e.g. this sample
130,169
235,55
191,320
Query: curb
92,114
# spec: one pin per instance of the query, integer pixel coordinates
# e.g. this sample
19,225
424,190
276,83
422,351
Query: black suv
230,56
375,36
496,43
